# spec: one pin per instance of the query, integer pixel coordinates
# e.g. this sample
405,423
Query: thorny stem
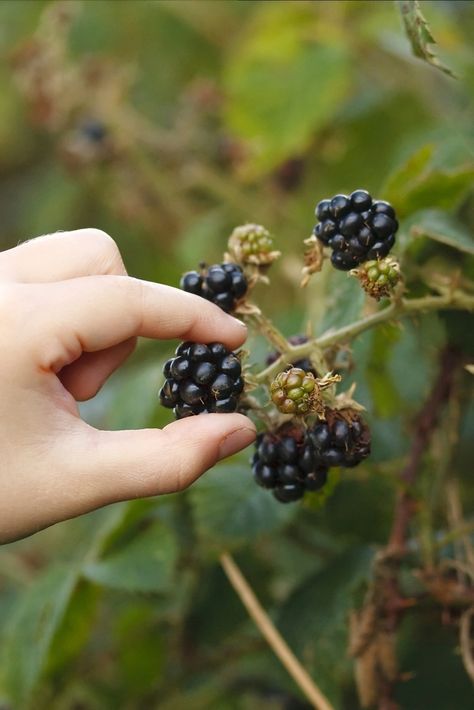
457,300
268,630
270,332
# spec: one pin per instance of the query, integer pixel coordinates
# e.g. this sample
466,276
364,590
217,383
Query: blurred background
167,124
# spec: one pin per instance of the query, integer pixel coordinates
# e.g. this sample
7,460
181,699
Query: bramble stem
270,332
456,300
272,635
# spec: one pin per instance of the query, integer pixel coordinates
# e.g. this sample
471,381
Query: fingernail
236,320
235,441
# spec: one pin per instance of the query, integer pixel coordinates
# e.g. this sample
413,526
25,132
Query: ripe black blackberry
223,284
202,378
343,439
285,462
304,364
356,228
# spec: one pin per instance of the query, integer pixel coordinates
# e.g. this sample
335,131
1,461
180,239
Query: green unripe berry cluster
378,278
254,239
293,391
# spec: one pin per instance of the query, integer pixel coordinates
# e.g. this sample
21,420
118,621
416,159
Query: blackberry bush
356,228
202,378
223,284
303,364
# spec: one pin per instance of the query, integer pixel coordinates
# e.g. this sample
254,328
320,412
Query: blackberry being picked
223,284
356,228
285,462
343,439
202,378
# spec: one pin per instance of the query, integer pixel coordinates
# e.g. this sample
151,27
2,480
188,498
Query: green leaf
444,228
31,630
145,565
415,186
314,618
230,509
282,85
396,183
420,36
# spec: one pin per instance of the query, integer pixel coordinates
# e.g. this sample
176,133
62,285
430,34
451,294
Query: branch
456,300
272,636
424,427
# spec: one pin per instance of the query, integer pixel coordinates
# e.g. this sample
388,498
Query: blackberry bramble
223,284
343,439
202,378
356,228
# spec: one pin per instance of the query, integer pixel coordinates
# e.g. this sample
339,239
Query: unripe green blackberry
297,391
294,391
252,244
378,278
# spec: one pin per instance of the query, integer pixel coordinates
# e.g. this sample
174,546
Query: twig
457,300
465,626
424,428
272,636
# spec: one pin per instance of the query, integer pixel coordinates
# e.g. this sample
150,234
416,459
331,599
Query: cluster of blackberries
293,460
223,284
202,378
356,228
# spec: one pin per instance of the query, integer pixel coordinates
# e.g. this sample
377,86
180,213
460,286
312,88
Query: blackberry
356,228
202,378
223,284
286,463
304,364
342,440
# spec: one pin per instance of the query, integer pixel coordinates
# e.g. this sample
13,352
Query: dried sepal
313,259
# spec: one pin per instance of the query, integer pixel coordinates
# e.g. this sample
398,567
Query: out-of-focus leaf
137,628
314,618
343,302
419,34
396,183
415,186
145,565
31,630
443,228
230,509
283,85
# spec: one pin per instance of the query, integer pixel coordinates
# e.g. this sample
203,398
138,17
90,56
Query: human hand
70,316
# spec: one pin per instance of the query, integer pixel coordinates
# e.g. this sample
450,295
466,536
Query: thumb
148,462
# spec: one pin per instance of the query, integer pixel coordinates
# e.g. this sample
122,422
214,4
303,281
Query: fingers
133,464
97,312
60,256
84,378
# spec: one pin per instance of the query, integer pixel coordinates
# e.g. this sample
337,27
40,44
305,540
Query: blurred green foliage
218,113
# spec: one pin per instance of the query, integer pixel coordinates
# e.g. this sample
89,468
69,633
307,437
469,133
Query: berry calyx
223,284
202,378
356,228
252,244
378,278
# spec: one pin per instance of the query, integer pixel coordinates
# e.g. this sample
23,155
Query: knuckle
105,250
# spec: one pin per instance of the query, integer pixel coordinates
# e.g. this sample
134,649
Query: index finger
101,311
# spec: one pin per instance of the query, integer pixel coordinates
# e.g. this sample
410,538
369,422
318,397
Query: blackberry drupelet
356,228
285,462
223,284
342,440
202,378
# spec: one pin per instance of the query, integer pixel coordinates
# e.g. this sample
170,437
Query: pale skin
70,316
